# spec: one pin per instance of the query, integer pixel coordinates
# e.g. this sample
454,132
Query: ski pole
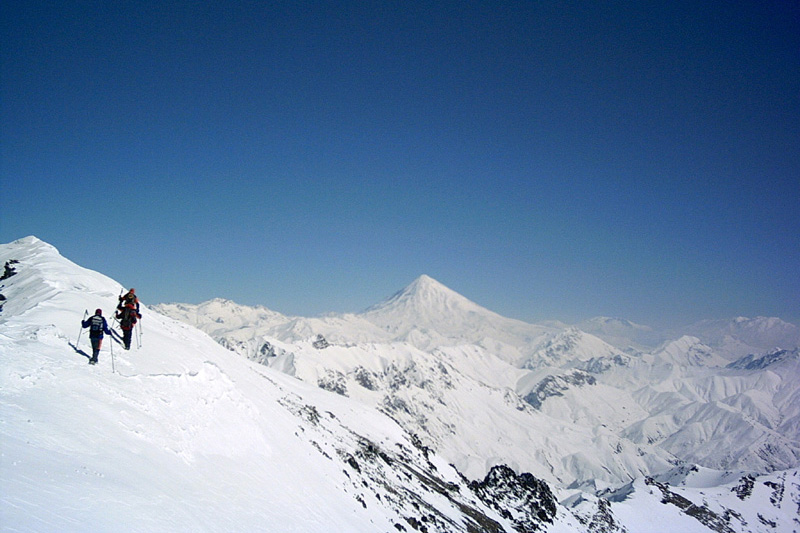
111,343
85,312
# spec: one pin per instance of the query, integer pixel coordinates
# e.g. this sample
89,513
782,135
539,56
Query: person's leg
96,343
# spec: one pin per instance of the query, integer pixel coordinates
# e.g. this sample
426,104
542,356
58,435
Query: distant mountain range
428,314
605,401
425,413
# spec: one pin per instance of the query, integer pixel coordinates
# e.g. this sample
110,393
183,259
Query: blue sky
548,160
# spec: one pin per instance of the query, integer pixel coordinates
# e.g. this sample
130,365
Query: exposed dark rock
417,442
603,520
767,522
230,344
267,350
760,362
369,450
555,385
350,460
777,492
701,513
598,365
9,270
333,381
525,500
310,413
745,487
366,379
393,404
444,375
396,378
320,343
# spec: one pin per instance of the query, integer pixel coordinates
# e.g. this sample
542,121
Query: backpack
96,324
128,317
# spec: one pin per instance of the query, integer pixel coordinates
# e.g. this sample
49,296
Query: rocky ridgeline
404,480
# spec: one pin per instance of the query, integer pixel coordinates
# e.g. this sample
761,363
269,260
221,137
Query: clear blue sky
548,160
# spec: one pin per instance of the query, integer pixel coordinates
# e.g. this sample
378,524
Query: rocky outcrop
556,385
525,500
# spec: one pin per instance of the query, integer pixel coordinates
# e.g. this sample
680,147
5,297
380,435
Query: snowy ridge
569,347
187,435
698,501
623,414
227,314
623,334
687,351
241,324
450,409
742,336
760,362
428,315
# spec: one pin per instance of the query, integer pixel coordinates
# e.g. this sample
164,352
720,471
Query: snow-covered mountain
742,336
184,435
378,434
685,352
426,315
729,338
570,347
429,315
449,393
596,412
240,324
623,334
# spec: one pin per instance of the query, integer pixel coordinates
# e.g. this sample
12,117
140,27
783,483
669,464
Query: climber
129,298
128,316
97,327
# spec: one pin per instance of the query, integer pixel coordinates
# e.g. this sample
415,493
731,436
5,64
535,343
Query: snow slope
427,355
185,435
451,392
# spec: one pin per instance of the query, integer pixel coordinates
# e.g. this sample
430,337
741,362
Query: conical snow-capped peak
428,314
425,296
